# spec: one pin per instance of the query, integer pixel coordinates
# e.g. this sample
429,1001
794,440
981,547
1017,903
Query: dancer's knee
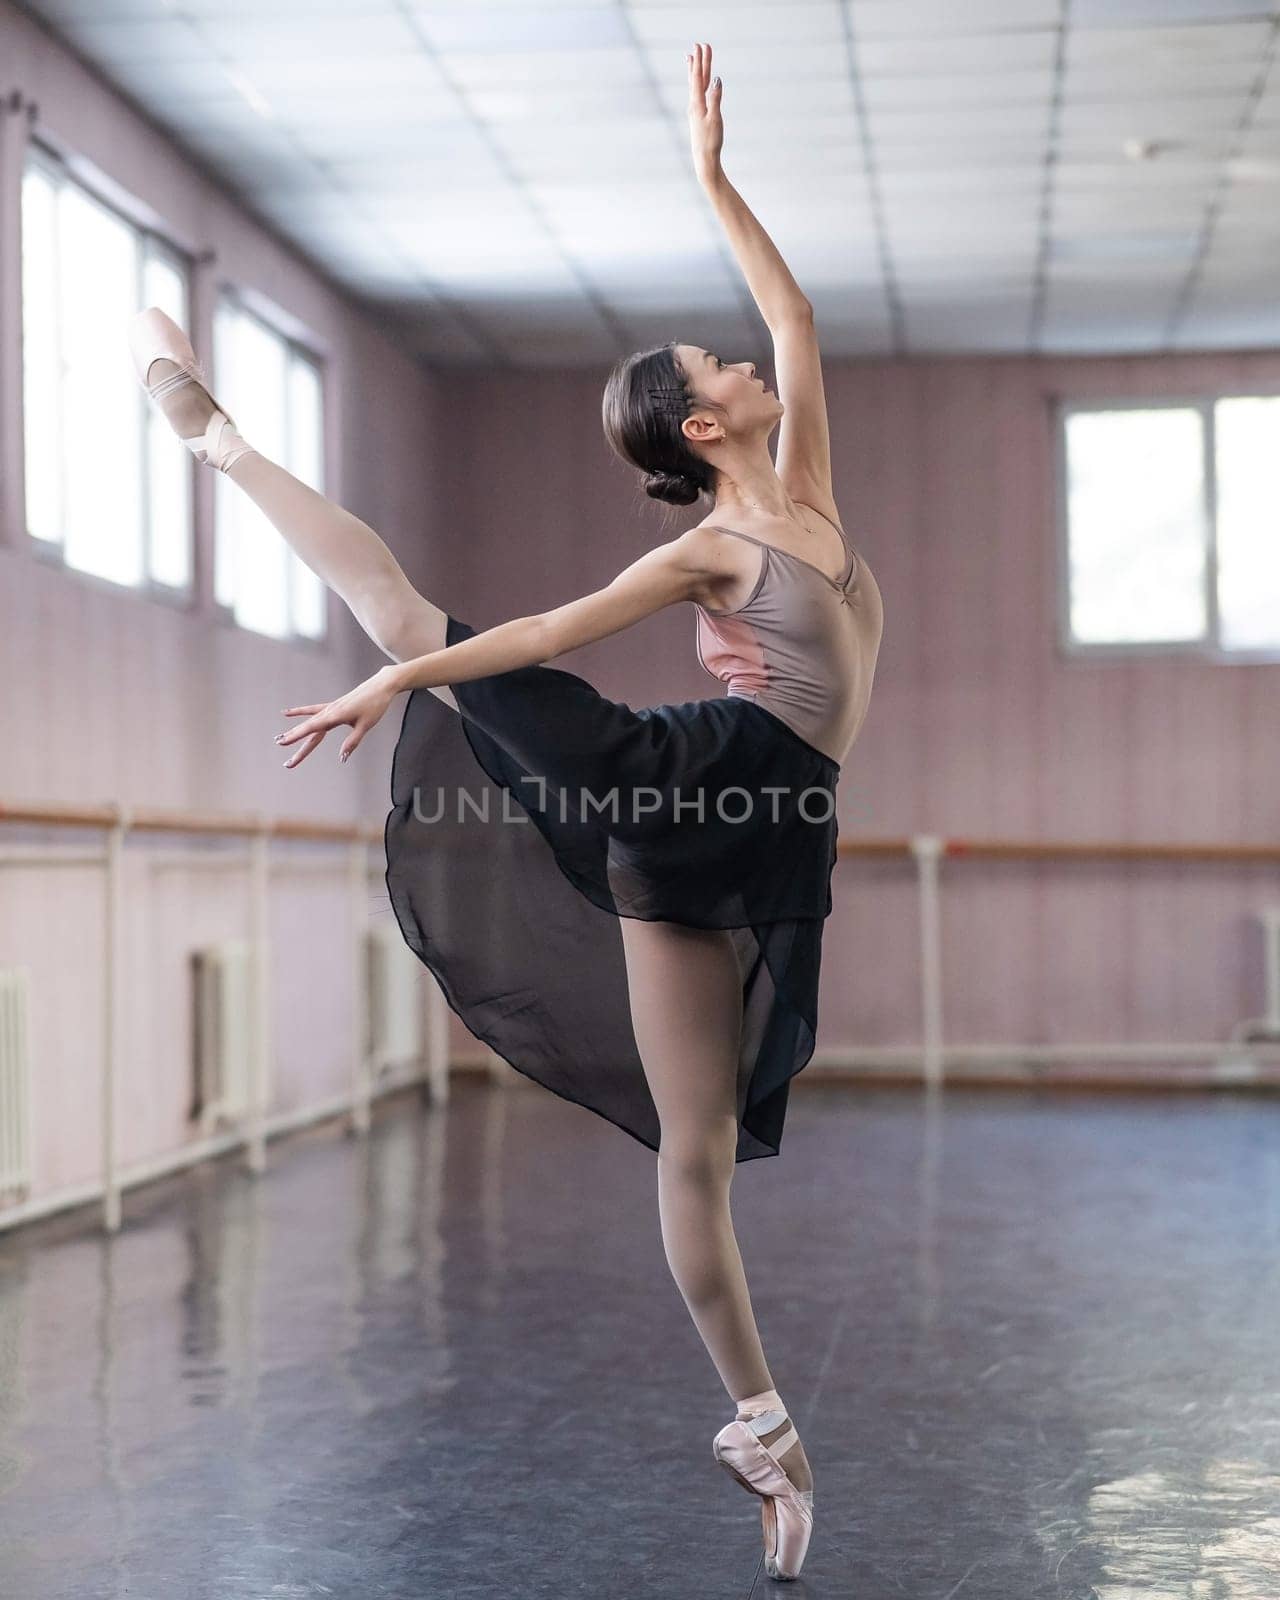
702,1158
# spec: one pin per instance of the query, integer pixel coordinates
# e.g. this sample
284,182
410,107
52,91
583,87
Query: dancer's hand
362,708
706,129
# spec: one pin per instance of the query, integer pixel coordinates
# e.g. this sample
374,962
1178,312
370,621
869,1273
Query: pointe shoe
153,336
786,1513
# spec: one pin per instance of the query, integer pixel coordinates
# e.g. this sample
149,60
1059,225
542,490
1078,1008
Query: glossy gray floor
1031,1341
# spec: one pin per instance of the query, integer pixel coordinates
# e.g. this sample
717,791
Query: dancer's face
749,407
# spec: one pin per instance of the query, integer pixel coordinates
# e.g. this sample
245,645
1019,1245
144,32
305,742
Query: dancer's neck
747,485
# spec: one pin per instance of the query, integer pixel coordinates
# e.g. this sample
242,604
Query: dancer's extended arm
679,570
804,447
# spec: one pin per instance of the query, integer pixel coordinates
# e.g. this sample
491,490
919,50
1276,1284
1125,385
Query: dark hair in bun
646,398
676,487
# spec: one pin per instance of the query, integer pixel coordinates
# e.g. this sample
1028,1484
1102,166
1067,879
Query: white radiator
1265,1029
394,999
15,1084
223,1030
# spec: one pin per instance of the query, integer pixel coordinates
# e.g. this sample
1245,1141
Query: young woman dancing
649,948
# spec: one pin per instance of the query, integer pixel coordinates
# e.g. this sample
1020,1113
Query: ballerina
655,961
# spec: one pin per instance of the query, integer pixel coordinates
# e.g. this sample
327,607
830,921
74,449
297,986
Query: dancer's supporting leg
342,551
686,1011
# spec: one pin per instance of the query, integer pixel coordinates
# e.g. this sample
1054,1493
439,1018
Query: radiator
222,1030
394,999
15,1084
1258,1030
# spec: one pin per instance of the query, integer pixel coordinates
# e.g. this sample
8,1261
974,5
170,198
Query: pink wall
500,496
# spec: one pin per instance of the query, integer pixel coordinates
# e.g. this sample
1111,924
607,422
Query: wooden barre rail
146,820
1106,849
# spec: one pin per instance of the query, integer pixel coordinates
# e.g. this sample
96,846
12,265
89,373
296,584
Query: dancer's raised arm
804,447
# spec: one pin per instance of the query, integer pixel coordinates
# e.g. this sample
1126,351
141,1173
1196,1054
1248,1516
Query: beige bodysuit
802,645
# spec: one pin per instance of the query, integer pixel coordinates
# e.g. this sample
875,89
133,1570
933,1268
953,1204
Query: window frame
152,241
299,341
1210,648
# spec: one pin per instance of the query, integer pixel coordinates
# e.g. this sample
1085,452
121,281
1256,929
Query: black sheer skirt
522,829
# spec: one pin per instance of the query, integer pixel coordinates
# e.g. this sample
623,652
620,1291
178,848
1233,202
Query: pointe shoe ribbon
786,1512
153,337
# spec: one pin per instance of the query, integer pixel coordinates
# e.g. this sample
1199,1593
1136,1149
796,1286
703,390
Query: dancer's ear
701,429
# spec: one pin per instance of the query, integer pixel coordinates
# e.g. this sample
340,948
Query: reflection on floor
1030,1340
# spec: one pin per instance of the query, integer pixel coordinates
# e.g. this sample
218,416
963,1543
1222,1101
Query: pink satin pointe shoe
786,1512
153,336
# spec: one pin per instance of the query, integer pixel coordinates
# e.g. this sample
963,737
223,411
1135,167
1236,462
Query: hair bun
678,488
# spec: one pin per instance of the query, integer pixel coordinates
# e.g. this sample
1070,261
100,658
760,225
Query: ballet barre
256,833
1235,1062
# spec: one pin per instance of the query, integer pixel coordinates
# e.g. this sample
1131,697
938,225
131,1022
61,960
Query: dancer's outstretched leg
340,549
686,1012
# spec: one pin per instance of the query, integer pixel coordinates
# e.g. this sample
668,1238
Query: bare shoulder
717,565
698,543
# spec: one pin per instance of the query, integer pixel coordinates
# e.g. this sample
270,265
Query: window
1171,525
273,390
106,489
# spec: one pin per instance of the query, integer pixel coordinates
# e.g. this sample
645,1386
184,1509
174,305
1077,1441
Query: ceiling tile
1033,86
151,40
1134,78
550,103
365,74
70,11
871,19
455,149
988,54
329,36
957,183
999,324
298,13
620,68
923,155
660,291
1157,46
944,123
1121,13
800,22
1232,325
1116,171
451,28
1194,145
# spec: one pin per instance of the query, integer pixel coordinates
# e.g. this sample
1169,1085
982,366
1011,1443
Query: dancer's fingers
353,739
303,711
325,718
305,750
697,78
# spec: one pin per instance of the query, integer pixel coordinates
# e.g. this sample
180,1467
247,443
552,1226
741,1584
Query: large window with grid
108,489
1171,526
273,388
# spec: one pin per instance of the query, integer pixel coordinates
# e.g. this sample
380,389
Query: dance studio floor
1030,1340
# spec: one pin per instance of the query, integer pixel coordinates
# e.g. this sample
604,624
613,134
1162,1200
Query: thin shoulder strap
719,529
